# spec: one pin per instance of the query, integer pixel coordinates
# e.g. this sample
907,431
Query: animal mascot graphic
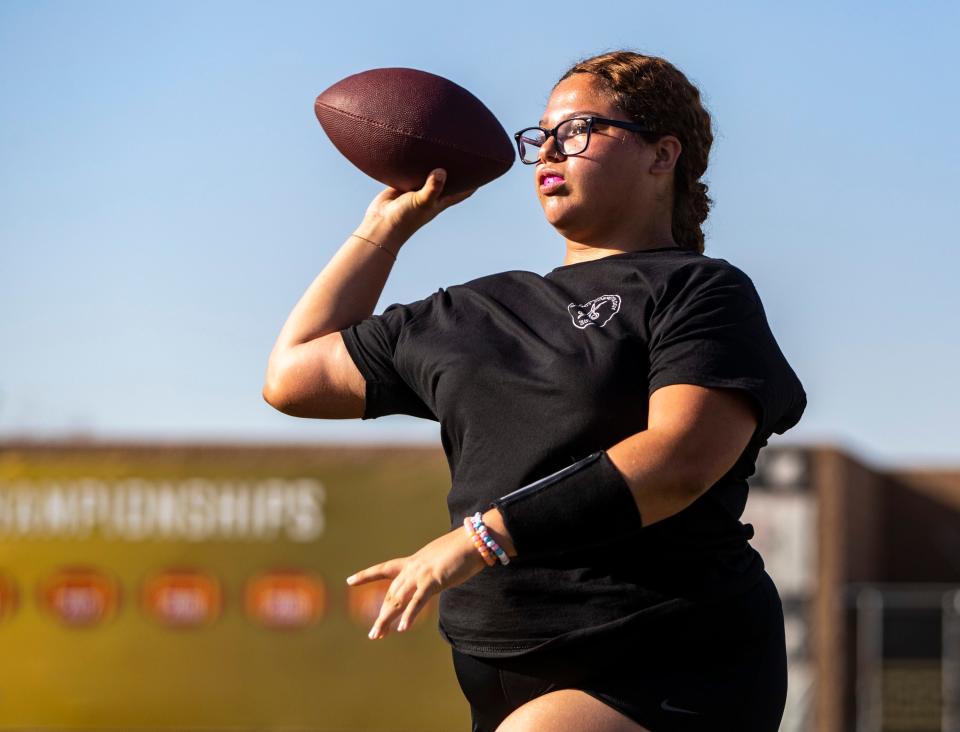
596,312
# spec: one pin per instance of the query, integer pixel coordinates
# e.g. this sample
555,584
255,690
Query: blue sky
166,195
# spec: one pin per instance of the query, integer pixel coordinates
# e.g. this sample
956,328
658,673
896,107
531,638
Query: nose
549,150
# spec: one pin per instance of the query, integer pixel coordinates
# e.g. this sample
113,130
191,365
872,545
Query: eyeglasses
572,136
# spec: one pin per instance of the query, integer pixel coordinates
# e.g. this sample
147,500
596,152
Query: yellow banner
185,587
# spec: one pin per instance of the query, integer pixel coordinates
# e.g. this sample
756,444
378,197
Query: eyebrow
578,113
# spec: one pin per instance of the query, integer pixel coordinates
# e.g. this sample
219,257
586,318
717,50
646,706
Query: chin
559,214
567,224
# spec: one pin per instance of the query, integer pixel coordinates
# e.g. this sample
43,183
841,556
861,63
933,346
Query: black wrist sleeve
583,505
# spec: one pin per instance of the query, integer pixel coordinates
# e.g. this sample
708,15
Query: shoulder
501,279
464,297
510,286
704,267
705,291
695,276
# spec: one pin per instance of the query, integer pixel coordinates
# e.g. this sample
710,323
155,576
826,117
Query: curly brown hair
654,93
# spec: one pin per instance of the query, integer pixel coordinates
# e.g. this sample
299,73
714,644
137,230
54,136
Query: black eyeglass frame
632,126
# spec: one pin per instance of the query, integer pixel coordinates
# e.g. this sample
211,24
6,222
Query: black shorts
715,667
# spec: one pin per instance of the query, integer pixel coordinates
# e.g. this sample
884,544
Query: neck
580,252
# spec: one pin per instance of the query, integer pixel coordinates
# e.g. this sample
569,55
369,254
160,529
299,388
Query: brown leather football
398,124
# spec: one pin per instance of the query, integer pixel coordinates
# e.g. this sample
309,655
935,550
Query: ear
666,153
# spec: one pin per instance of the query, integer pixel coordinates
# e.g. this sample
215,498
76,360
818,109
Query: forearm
347,289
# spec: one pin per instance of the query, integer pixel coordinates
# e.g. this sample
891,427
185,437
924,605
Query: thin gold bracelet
379,246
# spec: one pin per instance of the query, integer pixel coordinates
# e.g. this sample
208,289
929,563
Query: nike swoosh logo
668,707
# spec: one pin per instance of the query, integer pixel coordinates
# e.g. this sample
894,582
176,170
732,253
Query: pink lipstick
550,182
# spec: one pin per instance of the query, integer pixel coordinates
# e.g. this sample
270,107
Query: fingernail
440,176
351,578
371,635
402,627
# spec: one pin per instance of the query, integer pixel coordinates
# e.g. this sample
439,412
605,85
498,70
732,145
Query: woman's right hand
401,214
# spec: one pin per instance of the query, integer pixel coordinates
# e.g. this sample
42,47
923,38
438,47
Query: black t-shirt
528,373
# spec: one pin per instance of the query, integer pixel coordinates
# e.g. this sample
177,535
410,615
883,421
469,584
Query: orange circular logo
285,599
80,597
182,598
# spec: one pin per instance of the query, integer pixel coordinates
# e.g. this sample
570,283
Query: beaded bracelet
478,542
481,529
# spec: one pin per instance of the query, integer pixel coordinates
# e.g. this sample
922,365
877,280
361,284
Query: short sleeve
373,345
713,332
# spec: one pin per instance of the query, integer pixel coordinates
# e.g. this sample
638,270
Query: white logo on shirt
596,312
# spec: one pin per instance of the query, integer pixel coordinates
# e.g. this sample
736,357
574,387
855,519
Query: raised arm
309,372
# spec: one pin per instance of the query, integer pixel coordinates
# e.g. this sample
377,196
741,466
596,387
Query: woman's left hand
445,562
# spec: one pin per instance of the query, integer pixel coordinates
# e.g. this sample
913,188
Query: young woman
600,422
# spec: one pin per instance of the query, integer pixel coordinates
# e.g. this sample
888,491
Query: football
398,124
